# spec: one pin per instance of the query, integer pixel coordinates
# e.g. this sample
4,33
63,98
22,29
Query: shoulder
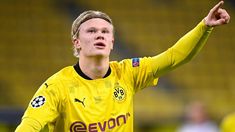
119,63
132,62
121,66
229,121
55,85
57,79
230,116
62,74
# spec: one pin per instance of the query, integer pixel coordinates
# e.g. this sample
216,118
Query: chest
98,98
105,104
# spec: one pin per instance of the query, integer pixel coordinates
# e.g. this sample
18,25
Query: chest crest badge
119,93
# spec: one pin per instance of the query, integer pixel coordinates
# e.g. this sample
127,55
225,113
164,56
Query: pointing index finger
217,6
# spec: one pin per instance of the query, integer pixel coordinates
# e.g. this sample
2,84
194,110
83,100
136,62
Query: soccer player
96,94
228,123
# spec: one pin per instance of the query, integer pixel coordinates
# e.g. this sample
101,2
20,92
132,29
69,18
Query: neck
93,67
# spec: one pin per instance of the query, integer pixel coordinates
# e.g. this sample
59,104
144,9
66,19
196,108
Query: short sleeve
44,106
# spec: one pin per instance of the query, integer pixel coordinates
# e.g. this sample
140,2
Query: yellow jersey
69,101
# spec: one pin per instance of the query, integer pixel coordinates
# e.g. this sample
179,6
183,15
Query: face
95,38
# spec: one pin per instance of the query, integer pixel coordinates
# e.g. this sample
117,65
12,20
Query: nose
99,36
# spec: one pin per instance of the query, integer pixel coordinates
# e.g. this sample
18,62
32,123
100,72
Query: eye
105,31
91,30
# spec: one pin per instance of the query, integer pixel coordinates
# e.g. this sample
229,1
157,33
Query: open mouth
99,44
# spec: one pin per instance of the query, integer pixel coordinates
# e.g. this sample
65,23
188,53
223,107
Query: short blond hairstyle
87,15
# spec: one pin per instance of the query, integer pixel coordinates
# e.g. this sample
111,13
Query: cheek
85,41
111,41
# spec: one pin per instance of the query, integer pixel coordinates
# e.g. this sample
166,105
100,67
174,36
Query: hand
217,16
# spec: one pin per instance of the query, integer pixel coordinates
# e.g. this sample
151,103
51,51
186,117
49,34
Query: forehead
97,23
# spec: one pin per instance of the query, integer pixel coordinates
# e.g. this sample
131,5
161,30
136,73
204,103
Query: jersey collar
79,71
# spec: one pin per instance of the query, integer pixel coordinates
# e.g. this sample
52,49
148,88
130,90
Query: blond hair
87,15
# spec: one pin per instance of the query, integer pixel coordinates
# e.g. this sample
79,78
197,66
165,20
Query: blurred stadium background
35,43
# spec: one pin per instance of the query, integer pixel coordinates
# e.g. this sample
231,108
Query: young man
97,95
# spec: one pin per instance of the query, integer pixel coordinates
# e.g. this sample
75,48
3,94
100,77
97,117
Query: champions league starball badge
38,101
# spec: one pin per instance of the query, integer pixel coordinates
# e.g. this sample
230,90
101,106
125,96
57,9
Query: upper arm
43,108
139,71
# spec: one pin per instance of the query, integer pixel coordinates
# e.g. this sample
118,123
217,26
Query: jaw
98,53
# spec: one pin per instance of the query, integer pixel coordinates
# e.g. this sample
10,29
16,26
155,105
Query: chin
102,54
98,54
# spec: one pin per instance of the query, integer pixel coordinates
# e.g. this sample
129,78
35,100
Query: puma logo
47,85
79,101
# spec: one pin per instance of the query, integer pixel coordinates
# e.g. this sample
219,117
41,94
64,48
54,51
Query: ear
76,43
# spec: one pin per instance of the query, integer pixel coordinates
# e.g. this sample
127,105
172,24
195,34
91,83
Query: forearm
29,125
190,44
183,51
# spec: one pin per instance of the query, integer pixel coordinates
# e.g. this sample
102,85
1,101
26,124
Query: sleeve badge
38,101
135,62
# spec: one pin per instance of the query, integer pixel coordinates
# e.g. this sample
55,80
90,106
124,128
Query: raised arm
191,43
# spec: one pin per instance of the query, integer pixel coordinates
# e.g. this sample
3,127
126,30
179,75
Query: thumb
219,22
